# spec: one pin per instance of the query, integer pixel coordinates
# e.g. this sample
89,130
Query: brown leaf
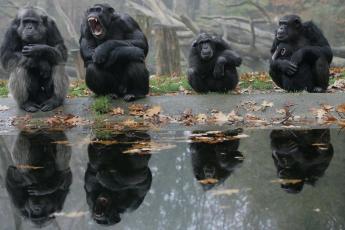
4,108
117,111
341,108
28,167
227,192
287,181
208,181
154,111
137,109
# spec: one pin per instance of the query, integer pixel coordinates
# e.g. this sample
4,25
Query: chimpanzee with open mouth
114,49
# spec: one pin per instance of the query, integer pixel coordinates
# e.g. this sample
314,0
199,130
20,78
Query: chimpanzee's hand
33,50
101,55
288,67
219,69
297,57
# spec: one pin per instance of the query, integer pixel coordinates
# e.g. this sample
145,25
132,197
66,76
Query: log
168,59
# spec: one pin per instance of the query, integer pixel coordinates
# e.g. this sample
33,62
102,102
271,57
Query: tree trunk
167,51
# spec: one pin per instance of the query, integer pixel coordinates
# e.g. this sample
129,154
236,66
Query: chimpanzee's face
289,28
31,26
99,18
206,46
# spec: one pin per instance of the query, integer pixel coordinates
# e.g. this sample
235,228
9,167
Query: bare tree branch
257,6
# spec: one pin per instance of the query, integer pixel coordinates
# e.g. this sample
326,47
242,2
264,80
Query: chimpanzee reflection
39,179
116,181
215,156
301,156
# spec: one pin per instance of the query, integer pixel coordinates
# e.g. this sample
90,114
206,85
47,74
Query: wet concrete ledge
175,105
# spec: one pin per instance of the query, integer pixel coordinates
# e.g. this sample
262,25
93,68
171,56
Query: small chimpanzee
310,49
215,157
34,53
114,48
301,156
212,65
39,180
115,181
301,79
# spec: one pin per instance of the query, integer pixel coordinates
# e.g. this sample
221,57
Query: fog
247,25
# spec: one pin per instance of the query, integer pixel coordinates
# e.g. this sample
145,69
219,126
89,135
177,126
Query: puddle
202,179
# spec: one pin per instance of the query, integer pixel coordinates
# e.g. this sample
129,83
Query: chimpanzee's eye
98,9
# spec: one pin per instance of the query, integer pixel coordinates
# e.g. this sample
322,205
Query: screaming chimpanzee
116,181
214,157
301,156
212,65
114,48
39,180
307,68
33,51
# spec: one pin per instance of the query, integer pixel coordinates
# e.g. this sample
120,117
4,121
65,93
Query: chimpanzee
39,179
301,80
310,49
34,53
301,155
114,48
215,158
212,65
115,181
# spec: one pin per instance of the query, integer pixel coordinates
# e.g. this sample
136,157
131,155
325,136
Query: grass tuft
101,105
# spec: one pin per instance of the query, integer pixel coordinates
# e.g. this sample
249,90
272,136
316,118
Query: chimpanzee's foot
30,107
318,90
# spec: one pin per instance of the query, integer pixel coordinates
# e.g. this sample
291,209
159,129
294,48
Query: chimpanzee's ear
44,19
111,10
195,43
297,22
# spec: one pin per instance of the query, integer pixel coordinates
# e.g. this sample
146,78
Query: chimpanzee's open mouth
96,26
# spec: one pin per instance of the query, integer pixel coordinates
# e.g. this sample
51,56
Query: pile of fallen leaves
330,115
66,121
215,137
57,121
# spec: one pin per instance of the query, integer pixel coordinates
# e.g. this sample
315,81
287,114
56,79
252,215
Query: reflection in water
301,156
40,178
116,182
215,155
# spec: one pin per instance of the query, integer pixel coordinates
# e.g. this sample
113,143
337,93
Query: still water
239,179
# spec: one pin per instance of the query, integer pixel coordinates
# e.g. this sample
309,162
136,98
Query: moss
164,84
78,89
3,88
101,105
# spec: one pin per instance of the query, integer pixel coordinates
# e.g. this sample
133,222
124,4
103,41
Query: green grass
257,84
78,89
101,105
164,84
3,88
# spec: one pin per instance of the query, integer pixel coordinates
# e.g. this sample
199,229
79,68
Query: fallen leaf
117,111
266,104
4,108
28,167
227,192
70,214
287,181
201,118
341,108
154,111
208,181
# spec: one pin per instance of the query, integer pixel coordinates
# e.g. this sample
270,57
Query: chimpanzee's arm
10,51
310,54
87,50
229,57
132,34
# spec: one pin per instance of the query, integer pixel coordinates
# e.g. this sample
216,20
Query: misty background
171,25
